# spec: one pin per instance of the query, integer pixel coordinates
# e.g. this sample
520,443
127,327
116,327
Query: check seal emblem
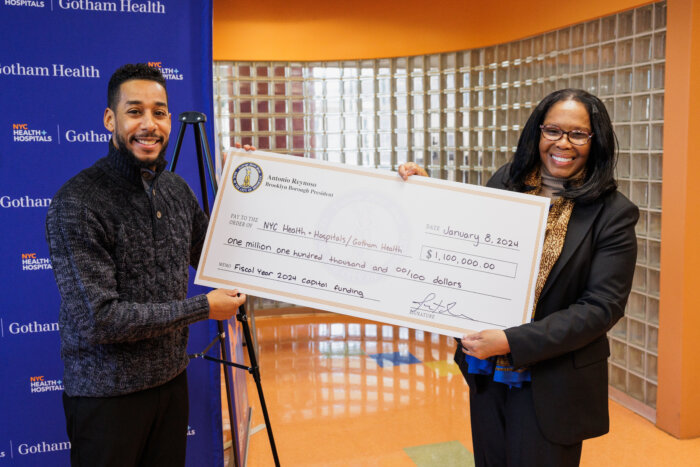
247,177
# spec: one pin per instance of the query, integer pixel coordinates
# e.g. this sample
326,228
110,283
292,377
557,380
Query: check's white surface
429,254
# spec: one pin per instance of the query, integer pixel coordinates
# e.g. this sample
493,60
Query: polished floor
347,392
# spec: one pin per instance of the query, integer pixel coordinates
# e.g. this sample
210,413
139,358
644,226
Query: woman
539,389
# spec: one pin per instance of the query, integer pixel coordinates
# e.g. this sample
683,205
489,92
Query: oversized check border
353,310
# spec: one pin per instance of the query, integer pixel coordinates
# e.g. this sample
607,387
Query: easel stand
197,120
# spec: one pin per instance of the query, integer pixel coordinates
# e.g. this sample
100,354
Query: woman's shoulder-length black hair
602,157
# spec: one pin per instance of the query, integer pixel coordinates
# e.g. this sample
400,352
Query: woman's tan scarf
555,234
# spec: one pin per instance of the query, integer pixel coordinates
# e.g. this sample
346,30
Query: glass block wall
460,114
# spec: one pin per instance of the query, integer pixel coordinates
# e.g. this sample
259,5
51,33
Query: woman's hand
486,344
411,168
247,147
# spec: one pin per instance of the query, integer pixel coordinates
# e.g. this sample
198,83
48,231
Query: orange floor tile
332,404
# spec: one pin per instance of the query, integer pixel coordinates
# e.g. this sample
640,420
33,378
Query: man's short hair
128,72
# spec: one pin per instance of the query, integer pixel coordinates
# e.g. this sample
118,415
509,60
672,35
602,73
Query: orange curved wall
678,404
306,30
309,30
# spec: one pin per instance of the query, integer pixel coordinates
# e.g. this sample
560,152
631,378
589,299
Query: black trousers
145,428
505,431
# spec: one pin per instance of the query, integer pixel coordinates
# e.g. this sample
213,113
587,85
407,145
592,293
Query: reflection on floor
346,392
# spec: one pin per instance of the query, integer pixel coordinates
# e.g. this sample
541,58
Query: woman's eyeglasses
576,137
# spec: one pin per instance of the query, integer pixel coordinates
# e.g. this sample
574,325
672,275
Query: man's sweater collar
126,167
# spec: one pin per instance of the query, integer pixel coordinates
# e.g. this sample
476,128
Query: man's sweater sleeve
86,276
199,232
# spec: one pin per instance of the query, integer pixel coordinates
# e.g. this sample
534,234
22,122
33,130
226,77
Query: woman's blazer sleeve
601,270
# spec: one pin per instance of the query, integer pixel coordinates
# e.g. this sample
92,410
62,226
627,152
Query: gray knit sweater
121,260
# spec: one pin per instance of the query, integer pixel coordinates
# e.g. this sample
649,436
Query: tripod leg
178,146
200,164
220,325
255,370
207,156
201,141
227,379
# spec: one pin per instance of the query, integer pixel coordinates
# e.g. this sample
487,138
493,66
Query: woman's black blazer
566,346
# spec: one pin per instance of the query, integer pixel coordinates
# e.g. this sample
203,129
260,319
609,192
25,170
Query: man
122,235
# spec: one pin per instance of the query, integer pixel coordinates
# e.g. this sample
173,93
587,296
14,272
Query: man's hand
223,304
411,168
486,344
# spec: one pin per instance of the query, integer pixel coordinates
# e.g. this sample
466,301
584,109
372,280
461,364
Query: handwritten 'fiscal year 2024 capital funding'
429,254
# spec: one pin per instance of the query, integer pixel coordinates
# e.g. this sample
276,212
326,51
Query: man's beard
158,163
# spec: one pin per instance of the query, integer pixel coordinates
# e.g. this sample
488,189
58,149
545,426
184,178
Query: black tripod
197,119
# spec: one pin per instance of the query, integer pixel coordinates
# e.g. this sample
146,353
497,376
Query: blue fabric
480,367
513,378
501,374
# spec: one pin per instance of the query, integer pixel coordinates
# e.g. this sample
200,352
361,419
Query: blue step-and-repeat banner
56,57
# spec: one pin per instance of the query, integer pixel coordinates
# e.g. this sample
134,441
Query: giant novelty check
429,254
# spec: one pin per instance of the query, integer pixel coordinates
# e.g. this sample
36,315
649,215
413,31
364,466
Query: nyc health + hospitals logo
24,133
247,177
170,72
31,262
25,3
41,384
